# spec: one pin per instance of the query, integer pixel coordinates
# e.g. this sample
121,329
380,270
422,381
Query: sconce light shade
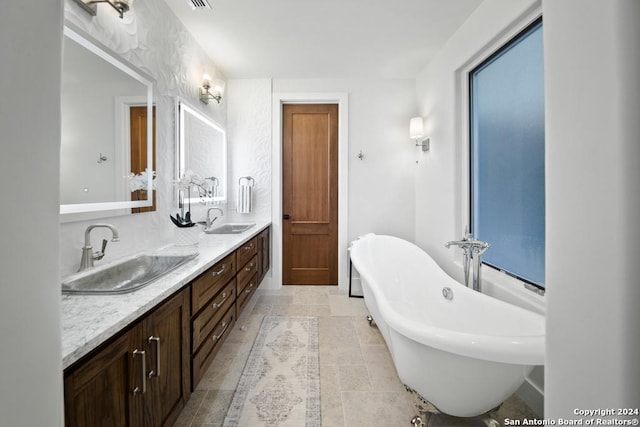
416,132
91,6
416,128
211,89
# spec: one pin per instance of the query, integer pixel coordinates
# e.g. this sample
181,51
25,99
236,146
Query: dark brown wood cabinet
264,253
141,378
145,374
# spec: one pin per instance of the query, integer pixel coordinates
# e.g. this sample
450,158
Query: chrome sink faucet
209,222
88,256
472,249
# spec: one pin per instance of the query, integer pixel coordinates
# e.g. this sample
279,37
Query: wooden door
168,361
138,142
310,194
100,391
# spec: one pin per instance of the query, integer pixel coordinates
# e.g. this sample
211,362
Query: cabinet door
107,390
166,333
264,245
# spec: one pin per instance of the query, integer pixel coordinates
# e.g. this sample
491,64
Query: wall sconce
91,6
416,132
211,89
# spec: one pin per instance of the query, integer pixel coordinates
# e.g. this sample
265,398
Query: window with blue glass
507,156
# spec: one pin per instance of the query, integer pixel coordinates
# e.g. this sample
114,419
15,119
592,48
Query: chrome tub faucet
88,256
472,249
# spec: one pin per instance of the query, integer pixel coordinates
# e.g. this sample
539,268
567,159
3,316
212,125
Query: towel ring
250,181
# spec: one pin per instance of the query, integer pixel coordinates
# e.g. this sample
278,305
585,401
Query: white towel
244,196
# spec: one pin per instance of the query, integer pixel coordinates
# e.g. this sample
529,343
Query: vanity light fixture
211,89
91,6
416,132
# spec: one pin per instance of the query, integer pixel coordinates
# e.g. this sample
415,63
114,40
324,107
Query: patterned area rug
280,384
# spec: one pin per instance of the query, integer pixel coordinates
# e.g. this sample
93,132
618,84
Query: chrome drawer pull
155,373
219,272
224,328
216,306
144,370
249,268
247,291
248,247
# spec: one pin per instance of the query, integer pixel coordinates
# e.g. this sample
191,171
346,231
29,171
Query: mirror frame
181,108
80,37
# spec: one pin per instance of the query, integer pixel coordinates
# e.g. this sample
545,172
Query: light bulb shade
416,128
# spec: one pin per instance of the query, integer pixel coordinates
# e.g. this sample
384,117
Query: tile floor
358,382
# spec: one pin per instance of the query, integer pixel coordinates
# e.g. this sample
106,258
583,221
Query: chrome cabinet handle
248,247
216,306
215,338
141,353
157,371
249,268
219,272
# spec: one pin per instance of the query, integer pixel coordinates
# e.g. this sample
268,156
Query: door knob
286,216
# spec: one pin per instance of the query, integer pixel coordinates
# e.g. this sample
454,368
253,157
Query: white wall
152,38
249,134
31,369
381,187
592,64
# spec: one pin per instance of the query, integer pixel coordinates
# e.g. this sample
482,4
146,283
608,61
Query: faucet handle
99,255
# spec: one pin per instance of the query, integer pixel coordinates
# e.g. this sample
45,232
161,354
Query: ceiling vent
199,4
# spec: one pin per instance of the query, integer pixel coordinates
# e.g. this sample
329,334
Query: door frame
342,100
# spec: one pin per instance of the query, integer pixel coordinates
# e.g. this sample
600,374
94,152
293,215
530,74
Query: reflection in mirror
108,132
202,150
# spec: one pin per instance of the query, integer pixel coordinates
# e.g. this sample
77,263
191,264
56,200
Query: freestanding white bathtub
465,355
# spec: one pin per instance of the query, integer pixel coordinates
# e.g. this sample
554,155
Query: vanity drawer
211,345
211,315
211,282
246,273
245,294
247,251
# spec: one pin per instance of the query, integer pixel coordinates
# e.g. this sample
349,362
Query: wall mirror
202,150
108,132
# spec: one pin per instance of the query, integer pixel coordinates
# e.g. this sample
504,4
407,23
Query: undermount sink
126,276
230,228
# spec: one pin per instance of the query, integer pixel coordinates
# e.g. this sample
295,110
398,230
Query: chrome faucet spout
209,222
88,256
472,249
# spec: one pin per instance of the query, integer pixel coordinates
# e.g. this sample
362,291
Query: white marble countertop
90,320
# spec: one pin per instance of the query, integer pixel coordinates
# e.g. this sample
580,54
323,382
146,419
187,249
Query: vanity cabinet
140,378
213,298
264,253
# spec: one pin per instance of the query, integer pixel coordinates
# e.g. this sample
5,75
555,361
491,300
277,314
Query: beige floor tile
313,298
332,411
366,334
329,379
342,305
275,299
337,331
213,408
337,355
191,408
376,353
354,378
383,377
379,409
299,310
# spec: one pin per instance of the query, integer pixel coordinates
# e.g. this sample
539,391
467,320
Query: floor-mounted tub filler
463,351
